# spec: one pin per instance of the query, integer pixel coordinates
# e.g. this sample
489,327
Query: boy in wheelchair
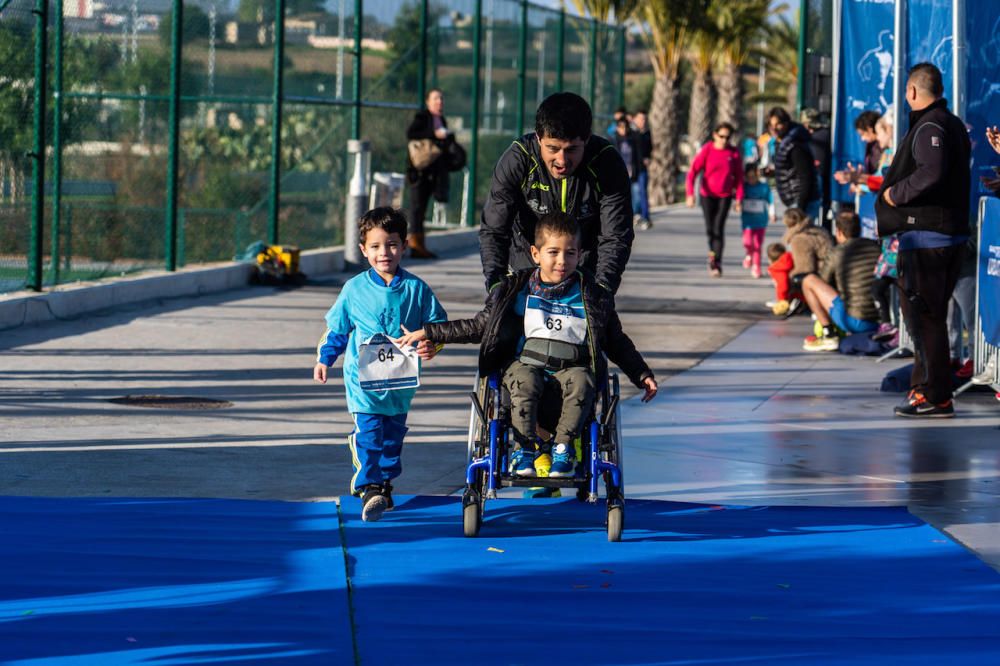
548,330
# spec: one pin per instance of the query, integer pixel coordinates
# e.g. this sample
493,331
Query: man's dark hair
774,251
780,114
555,224
388,219
564,116
621,110
927,79
866,120
848,223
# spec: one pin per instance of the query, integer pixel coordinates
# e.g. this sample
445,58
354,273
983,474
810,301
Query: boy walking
380,378
547,329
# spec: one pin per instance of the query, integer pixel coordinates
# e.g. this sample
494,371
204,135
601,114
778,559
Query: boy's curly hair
388,219
557,224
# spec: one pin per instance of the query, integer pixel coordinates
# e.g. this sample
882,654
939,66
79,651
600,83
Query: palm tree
740,24
666,25
605,11
780,45
704,42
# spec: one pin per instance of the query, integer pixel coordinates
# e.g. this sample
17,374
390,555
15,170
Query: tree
704,40
403,39
780,46
605,11
16,104
667,29
740,23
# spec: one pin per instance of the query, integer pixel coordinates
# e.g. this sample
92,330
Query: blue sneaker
563,461
523,462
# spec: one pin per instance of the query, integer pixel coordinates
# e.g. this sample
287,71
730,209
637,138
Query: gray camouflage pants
568,393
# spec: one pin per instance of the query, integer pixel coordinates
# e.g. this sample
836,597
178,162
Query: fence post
359,8
422,75
57,106
522,65
803,40
277,106
623,37
176,35
560,49
477,38
592,65
34,280
357,191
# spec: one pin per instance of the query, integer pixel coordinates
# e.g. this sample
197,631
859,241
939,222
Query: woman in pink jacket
722,179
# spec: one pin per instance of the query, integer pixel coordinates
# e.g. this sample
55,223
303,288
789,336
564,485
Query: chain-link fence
159,143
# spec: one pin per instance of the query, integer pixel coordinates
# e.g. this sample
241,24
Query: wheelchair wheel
616,521
472,514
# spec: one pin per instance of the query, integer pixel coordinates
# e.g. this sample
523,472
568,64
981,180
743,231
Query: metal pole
41,13
761,85
174,140
422,75
522,66
592,65
277,94
623,36
356,201
57,106
958,57
899,65
560,50
803,36
359,8
477,36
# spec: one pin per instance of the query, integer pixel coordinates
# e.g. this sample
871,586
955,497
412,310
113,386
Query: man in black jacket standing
794,168
925,199
561,166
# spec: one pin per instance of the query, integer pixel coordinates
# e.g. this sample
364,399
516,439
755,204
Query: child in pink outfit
758,210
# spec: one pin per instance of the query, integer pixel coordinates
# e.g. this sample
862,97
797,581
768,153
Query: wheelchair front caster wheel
472,519
616,521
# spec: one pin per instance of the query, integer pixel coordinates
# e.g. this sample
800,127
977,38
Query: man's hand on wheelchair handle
651,389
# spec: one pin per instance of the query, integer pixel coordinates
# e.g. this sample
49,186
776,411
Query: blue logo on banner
866,211
989,272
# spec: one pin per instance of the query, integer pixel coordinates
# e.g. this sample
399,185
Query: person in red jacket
780,270
722,179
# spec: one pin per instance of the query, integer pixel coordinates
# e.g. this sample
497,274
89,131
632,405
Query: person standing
640,189
925,199
561,166
795,173
431,180
821,147
722,179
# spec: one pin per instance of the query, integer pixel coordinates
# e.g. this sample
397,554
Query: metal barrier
986,358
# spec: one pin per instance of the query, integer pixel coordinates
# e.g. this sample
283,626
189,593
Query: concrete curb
74,300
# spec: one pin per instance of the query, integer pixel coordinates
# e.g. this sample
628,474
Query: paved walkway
745,416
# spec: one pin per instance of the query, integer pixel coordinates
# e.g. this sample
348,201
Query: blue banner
989,272
982,83
929,39
866,75
866,211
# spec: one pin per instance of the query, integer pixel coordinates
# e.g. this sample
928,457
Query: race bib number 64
384,366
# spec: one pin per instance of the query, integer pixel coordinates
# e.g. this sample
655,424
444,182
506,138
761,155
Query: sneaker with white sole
825,343
563,461
917,406
524,464
373,504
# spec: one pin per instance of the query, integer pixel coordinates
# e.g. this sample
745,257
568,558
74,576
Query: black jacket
422,127
634,164
794,172
930,176
598,194
498,329
645,141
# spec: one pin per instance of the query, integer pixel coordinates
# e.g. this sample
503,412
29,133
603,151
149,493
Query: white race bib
754,205
384,366
554,321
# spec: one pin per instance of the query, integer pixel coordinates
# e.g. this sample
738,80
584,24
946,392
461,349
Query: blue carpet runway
152,581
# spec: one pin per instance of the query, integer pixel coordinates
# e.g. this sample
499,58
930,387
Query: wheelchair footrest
541,482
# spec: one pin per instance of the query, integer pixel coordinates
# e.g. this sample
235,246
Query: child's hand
651,388
737,206
319,373
427,350
410,337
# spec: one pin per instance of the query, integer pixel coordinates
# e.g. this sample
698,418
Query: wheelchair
491,443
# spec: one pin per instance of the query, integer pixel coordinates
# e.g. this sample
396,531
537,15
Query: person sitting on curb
809,245
780,270
841,295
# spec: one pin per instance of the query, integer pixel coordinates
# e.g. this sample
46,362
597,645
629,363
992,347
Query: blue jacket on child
365,307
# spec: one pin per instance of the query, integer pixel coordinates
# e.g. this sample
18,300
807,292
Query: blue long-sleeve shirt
367,306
